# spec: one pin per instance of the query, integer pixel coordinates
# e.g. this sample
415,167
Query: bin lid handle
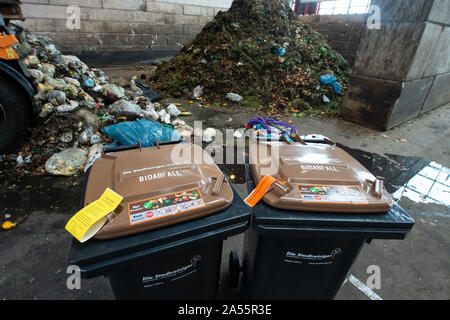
310,139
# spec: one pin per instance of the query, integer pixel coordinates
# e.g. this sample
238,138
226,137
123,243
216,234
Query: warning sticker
162,206
10,53
332,194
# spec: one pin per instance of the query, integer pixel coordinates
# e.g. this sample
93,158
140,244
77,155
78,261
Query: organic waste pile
258,54
74,103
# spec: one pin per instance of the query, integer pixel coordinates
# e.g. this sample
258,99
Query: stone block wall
343,32
408,60
121,32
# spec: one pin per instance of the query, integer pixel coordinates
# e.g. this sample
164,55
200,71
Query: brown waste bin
310,227
164,241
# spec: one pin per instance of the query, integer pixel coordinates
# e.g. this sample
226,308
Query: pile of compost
259,50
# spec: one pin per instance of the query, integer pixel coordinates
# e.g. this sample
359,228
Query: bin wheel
234,269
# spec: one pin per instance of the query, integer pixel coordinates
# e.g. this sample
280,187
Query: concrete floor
34,255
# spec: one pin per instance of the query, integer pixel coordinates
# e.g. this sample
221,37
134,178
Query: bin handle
280,188
120,148
319,139
217,186
378,185
310,139
138,145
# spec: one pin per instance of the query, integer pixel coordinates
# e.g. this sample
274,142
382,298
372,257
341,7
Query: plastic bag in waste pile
152,95
330,79
143,131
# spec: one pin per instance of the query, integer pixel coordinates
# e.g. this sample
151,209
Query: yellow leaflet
86,222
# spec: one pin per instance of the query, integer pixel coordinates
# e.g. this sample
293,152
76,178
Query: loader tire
15,114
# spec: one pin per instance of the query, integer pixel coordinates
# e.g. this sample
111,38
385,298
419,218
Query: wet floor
21,196
419,180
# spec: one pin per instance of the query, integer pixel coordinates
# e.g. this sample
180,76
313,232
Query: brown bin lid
158,189
316,177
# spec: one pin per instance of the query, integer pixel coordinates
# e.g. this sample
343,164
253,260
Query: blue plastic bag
337,87
143,131
279,52
330,79
327,79
88,82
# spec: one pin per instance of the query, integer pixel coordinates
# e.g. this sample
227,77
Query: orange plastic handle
7,39
262,187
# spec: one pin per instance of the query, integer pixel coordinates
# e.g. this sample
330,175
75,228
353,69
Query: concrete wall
408,60
343,32
121,31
